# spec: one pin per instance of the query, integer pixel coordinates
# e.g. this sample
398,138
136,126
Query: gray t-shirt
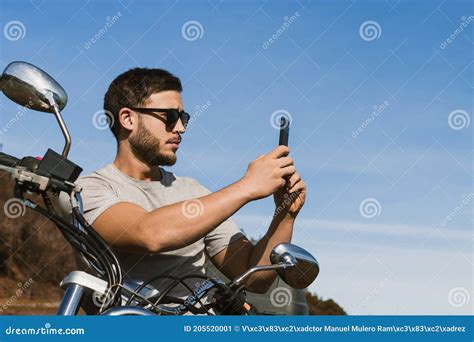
108,186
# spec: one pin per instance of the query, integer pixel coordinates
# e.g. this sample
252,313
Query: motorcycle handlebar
8,160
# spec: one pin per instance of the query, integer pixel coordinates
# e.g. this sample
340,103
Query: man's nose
179,127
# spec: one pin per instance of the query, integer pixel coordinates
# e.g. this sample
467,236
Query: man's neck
133,167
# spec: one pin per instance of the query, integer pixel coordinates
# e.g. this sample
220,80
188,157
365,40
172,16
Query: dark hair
132,88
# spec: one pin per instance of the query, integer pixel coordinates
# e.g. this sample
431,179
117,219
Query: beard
146,147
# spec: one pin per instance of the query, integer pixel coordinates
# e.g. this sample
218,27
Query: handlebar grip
8,160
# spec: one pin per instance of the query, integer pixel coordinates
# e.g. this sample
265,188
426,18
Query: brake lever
22,176
37,182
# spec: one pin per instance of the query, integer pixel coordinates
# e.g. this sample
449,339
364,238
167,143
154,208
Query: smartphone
284,131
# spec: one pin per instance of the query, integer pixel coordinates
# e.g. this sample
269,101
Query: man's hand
268,173
289,193
273,173
290,199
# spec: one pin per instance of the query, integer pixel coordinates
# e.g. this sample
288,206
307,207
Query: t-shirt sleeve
218,239
224,234
97,197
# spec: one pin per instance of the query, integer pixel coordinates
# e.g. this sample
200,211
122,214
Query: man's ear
128,119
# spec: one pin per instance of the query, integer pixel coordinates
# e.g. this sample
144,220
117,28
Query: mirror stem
239,280
57,114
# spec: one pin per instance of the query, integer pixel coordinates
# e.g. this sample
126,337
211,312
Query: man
160,223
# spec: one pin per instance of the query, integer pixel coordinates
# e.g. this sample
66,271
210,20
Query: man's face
152,142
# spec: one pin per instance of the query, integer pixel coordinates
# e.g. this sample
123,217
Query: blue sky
411,157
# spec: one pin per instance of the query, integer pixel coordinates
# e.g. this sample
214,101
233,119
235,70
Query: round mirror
304,268
32,87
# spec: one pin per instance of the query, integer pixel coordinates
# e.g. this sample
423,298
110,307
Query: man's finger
293,180
285,161
280,151
298,187
288,171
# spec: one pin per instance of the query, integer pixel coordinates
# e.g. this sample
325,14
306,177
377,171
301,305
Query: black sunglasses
172,115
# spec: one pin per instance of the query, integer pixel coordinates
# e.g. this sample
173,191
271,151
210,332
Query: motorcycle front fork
71,300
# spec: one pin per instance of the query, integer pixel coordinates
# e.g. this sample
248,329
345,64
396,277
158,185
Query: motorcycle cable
107,253
69,232
198,299
159,277
177,281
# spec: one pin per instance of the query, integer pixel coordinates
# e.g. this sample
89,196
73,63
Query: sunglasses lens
185,118
173,116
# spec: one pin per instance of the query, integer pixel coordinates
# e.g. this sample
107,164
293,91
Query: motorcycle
107,289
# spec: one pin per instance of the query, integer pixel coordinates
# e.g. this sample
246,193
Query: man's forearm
280,231
178,225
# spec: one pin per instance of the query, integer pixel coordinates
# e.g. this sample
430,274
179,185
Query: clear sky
380,95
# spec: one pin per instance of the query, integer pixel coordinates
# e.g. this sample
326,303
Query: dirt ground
36,299
28,307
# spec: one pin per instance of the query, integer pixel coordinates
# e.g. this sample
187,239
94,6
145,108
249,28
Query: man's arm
129,227
242,255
